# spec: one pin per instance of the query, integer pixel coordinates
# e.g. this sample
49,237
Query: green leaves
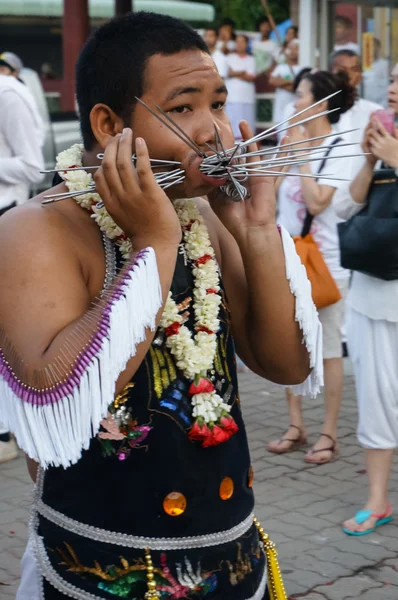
246,14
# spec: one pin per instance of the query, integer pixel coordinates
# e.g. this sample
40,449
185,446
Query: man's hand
382,145
132,196
257,210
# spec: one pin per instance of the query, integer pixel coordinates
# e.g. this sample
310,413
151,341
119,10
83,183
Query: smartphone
386,118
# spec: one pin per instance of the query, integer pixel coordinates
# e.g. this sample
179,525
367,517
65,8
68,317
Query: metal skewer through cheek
224,163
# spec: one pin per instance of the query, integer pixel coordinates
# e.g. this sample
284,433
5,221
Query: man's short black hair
262,20
212,28
111,66
228,21
344,52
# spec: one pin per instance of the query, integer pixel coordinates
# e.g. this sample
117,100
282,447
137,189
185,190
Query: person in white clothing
21,159
289,110
376,80
282,78
21,138
291,34
265,50
226,36
297,198
241,102
210,37
347,61
373,338
343,27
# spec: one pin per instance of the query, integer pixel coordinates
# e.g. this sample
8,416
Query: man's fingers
109,167
145,175
124,163
103,188
247,133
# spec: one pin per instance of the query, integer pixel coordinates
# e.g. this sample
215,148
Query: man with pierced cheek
134,301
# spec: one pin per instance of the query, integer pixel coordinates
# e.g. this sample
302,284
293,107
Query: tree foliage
246,12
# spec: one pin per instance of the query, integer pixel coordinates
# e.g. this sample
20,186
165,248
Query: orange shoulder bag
324,289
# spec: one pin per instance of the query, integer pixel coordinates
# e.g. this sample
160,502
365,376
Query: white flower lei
194,355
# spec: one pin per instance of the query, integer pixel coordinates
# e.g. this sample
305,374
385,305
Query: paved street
301,506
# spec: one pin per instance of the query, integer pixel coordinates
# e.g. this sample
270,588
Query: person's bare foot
377,512
292,439
324,451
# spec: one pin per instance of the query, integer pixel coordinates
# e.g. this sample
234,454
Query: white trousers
373,348
29,585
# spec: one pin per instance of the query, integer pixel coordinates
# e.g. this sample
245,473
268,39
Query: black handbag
369,240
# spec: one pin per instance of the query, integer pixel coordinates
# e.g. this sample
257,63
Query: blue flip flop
364,515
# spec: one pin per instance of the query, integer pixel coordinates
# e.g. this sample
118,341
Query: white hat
11,60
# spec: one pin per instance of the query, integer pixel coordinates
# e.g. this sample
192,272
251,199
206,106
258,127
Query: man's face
349,65
188,87
292,51
225,33
290,35
241,44
265,28
341,33
210,38
4,70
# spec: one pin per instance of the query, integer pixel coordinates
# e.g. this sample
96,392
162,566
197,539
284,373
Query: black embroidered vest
143,478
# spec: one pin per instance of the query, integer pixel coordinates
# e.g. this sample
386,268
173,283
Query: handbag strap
308,217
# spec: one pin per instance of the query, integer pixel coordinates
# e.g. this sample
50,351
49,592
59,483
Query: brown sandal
294,443
332,449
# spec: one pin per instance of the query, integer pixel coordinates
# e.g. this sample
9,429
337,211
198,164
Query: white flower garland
194,355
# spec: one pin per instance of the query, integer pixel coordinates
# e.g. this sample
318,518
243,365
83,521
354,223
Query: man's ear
105,124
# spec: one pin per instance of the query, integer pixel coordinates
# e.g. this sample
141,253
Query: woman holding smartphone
373,331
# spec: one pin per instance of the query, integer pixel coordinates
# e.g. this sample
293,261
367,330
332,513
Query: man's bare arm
267,336
43,291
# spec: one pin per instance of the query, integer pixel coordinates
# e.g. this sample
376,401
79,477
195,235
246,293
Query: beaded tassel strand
275,582
152,592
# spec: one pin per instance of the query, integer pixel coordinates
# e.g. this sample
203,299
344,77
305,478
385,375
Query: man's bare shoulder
36,232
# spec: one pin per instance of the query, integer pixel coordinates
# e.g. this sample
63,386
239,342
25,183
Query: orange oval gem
226,488
174,504
251,477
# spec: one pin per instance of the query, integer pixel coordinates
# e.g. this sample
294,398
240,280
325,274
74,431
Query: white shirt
375,298
221,63
265,53
376,81
283,97
231,45
356,118
21,137
348,46
241,91
292,209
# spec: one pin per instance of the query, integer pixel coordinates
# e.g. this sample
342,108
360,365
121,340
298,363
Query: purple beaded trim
60,390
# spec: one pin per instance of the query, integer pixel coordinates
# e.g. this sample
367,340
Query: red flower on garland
204,387
205,329
203,259
173,329
212,436
198,432
217,436
228,423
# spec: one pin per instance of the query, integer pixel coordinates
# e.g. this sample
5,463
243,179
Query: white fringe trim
56,434
306,315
